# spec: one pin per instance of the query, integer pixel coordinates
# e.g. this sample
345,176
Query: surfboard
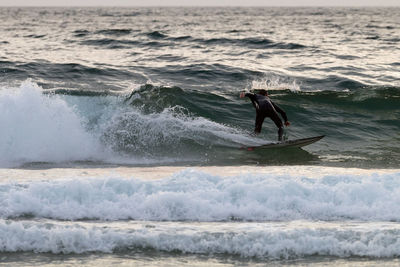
288,143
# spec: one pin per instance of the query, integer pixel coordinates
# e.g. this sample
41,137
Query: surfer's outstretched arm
249,95
252,97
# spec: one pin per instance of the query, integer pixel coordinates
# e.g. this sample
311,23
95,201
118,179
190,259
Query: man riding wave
266,108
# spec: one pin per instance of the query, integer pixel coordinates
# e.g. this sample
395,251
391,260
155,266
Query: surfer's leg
278,122
259,121
280,133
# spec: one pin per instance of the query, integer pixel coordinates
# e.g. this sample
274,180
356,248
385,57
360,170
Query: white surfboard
288,143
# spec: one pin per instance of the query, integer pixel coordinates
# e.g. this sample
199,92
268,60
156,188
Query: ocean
121,132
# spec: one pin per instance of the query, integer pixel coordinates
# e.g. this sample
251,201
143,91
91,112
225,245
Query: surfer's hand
287,123
242,94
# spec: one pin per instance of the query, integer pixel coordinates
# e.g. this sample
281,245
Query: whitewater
45,127
190,195
256,213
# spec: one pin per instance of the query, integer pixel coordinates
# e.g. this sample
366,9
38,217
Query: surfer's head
263,92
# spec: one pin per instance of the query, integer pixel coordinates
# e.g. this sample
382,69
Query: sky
200,3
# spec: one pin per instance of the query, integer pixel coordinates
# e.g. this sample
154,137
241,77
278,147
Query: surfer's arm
283,113
249,95
252,97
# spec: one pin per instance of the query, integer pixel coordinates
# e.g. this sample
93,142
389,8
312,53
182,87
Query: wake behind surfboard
289,143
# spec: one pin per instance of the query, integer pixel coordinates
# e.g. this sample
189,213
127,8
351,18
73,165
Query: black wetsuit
266,108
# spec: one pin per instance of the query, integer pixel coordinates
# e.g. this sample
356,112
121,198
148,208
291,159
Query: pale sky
199,2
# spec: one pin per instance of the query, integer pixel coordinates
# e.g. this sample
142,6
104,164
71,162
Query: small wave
387,27
375,96
335,83
156,35
374,37
36,36
73,92
111,43
208,75
114,32
347,57
70,75
195,196
181,38
156,98
264,241
81,33
289,46
348,83
393,40
255,43
235,31
118,13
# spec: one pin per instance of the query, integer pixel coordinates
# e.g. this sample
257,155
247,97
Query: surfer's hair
263,92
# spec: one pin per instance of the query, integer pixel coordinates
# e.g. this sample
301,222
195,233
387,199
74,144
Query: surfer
266,108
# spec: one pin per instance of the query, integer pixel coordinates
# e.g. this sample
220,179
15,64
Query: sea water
121,132
232,215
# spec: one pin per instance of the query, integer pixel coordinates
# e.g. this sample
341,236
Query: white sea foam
37,127
275,83
129,129
263,240
192,195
